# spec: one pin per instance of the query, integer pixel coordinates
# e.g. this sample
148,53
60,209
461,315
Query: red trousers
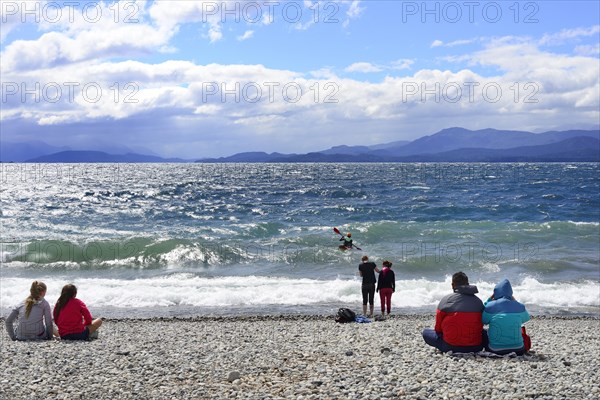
385,295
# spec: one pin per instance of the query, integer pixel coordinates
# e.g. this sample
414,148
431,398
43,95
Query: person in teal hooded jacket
505,316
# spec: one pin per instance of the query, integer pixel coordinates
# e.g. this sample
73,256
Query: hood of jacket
466,289
503,289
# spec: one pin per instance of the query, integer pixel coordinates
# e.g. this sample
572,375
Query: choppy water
153,239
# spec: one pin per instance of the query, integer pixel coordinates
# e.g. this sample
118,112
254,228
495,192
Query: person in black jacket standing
367,270
386,285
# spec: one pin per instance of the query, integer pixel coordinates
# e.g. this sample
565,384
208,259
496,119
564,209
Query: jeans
436,340
77,336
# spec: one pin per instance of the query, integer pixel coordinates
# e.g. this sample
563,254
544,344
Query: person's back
31,327
458,324
386,285
34,316
347,239
458,317
505,316
73,317
387,279
367,270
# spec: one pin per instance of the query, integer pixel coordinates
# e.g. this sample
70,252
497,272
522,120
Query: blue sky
210,78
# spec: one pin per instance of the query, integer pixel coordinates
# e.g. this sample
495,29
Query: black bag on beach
345,315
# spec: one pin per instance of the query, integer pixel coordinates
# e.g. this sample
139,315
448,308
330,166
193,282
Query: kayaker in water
347,239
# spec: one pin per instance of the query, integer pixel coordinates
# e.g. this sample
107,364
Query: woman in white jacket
34,316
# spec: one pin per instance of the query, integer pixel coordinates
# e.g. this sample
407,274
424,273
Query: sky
194,79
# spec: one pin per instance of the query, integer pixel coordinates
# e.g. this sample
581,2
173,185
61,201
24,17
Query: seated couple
71,316
460,317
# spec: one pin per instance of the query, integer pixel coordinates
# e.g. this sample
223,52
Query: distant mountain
24,151
19,152
451,145
577,149
248,157
74,156
454,145
396,144
343,149
460,138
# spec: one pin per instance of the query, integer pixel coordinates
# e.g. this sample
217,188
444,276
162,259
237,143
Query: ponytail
37,288
68,292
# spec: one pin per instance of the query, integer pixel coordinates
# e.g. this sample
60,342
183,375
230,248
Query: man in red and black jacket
458,323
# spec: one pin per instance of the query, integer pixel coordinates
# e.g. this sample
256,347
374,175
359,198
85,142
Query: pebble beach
297,357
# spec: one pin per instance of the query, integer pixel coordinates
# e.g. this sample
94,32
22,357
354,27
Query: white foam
186,289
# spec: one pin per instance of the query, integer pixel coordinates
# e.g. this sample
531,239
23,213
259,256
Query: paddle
336,230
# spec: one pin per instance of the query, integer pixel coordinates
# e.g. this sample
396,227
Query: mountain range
86,156
448,145
453,145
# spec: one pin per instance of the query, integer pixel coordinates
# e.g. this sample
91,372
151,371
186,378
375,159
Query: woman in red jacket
72,317
386,285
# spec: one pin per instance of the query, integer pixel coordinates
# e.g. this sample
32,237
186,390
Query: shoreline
313,311
315,317
307,317
300,357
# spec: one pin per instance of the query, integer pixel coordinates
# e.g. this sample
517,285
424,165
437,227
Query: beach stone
233,375
349,352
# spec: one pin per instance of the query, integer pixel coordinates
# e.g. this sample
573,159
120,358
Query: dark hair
387,264
68,292
460,279
365,258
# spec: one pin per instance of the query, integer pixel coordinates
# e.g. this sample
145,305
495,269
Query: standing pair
386,285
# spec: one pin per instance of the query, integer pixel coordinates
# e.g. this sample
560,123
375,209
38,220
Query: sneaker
93,335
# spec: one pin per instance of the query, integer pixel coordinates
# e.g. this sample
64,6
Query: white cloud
461,42
207,109
247,35
73,38
588,50
402,64
363,67
366,67
175,96
568,35
215,34
354,11
10,18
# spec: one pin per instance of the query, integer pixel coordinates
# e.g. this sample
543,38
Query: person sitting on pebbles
34,316
458,325
505,316
72,317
